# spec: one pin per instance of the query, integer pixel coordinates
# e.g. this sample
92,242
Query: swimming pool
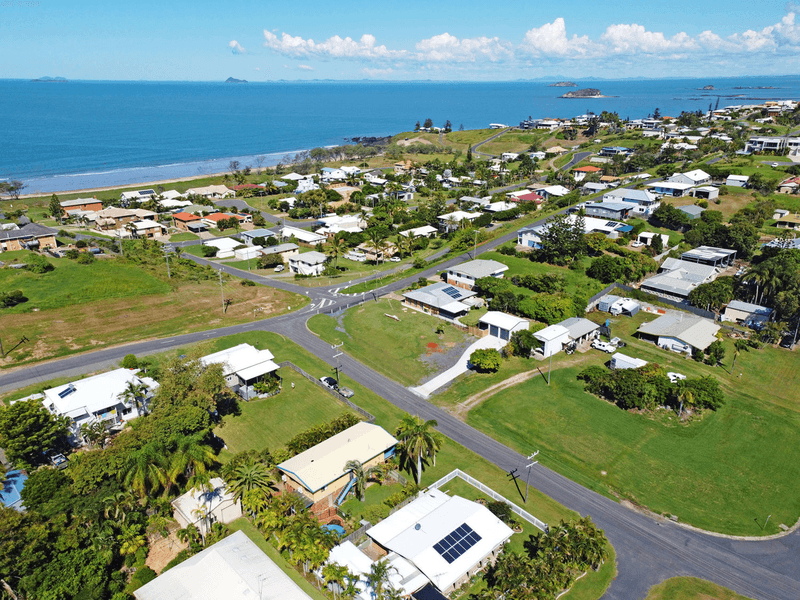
338,529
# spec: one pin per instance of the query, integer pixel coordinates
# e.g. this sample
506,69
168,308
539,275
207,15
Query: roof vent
417,527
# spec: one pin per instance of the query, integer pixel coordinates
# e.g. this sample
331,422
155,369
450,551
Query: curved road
649,550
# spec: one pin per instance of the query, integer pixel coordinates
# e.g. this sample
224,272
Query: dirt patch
444,357
416,140
433,347
163,550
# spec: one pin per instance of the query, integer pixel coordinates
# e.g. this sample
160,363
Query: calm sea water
75,135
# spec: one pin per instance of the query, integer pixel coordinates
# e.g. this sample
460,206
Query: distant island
232,80
584,93
564,84
755,87
50,79
706,87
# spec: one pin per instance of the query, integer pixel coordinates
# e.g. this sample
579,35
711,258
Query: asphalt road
577,157
649,550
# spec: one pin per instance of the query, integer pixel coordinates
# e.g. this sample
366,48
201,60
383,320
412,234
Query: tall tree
358,475
28,429
251,477
54,208
418,441
191,460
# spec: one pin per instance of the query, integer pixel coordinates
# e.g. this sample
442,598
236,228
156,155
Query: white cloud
633,38
334,47
551,40
236,47
305,67
372,73
448,48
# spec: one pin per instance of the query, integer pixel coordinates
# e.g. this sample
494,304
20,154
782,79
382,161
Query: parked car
329,382
395,259
279,268
676,377
58,460
773,165
603,346
346,392
637,244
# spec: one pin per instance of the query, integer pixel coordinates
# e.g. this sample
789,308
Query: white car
329,382
675,377
279,268
395,259
773,165
637,244
603,346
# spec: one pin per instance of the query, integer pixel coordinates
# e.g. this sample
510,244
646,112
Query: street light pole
528,478
475,249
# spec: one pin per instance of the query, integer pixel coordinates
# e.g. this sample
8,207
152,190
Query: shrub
247,283
143,576
86,258
208,251
486,361
501,510
81,244
38,264
419,262
269,261
12,298
130,362
72,254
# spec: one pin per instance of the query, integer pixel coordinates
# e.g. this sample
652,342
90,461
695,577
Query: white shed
623,361
248,252
502,325
553,339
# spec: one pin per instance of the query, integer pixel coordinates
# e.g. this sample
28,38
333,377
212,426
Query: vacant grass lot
183,237
271,422
391,347
725,471
691,588
110,302
512,142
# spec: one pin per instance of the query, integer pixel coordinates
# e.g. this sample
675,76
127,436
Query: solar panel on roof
454,544
452,292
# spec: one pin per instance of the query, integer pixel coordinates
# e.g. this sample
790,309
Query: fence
352,537
492,494
369,417
647,297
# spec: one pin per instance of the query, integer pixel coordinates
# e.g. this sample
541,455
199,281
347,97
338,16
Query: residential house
248,252
644,202
509,156
301,235
249,237
553,339
424,231
31,236
174,204
465,274
83,204
615,150
593,188
447,538
580,330
319,475
671,188
696,177
102,398
746,313
709,255
213,220
334,224
285,251
788,221
502,325
185,221
553,191
531,236
680,332
293,177
204,507
692,211
211,191
309,263
581,173
760,143
609,210
452,221
117,218
225,246
677,278
440,299
234,568
137,196
646,237
147,228
243,366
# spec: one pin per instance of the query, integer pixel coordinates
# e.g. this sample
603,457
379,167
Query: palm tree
739,347
251,477
145,470
358,476
118,505
418,440
335,249
130,539
191,459
135,393
335,575
685,394
376,242
378,577
2,479
95,433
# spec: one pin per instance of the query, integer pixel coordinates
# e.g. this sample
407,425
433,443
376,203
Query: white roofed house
677,278
301,235
244,367
203,508
553,339
696,177
645,202
440,299
309,263
147,228
424,231
465,274
452,221
553,191
212,191
112,398
737,180
447,539
319,476
671,188
680,332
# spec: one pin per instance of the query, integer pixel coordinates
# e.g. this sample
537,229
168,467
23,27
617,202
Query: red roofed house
529,197
182,220
581,172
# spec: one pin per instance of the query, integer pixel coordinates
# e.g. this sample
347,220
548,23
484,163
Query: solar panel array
453,545
452,292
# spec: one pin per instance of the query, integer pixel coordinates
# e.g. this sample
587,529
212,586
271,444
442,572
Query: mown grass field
691,588
78,307
512,142
725,471
390,347
271,422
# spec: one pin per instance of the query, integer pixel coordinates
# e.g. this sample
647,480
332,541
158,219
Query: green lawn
271,422
691,588
183,237
391,347
250,530
720,472
71,283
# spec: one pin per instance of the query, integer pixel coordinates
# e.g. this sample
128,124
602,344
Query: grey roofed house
479,268
677,278
692,271
692,211
698,332
279,249
440,296
249,236
312,258
629,195
232,569
26,231
578,327
710,255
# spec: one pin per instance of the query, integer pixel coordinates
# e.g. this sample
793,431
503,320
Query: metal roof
697,332
435,295
479,268
578,327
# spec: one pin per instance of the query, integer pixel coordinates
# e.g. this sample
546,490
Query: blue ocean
84,134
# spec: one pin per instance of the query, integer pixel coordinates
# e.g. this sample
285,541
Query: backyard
407,350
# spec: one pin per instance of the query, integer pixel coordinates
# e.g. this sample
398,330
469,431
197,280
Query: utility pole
528,479
338,366
166,256
2,352
475,249
222,291
550,369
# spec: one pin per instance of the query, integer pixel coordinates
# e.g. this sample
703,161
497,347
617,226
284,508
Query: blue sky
464,40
